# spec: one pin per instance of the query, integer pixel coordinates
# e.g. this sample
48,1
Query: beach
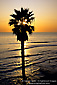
40,58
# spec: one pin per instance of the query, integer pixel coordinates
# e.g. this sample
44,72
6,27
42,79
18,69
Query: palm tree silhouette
22,24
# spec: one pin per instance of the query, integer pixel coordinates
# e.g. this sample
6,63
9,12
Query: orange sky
45,12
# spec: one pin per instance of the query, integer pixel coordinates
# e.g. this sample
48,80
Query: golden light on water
26,51
25,45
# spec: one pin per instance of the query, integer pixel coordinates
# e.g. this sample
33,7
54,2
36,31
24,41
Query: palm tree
22,24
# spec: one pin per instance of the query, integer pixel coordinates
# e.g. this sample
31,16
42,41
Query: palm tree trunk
23,60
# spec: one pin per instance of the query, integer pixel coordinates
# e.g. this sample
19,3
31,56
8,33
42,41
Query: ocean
40,57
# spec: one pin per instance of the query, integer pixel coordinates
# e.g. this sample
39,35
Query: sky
45,12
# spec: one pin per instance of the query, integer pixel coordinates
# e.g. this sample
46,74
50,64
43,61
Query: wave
21,56
32,46
36,42
39,42
30,64
3,79
20,43
28,42
13,43
10,70
41,46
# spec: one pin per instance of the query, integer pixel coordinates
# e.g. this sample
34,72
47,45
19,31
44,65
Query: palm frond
20,29
13,21
30,12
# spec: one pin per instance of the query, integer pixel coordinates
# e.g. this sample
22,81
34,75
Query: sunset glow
45,12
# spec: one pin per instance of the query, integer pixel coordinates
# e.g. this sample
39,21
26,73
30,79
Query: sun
25,21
